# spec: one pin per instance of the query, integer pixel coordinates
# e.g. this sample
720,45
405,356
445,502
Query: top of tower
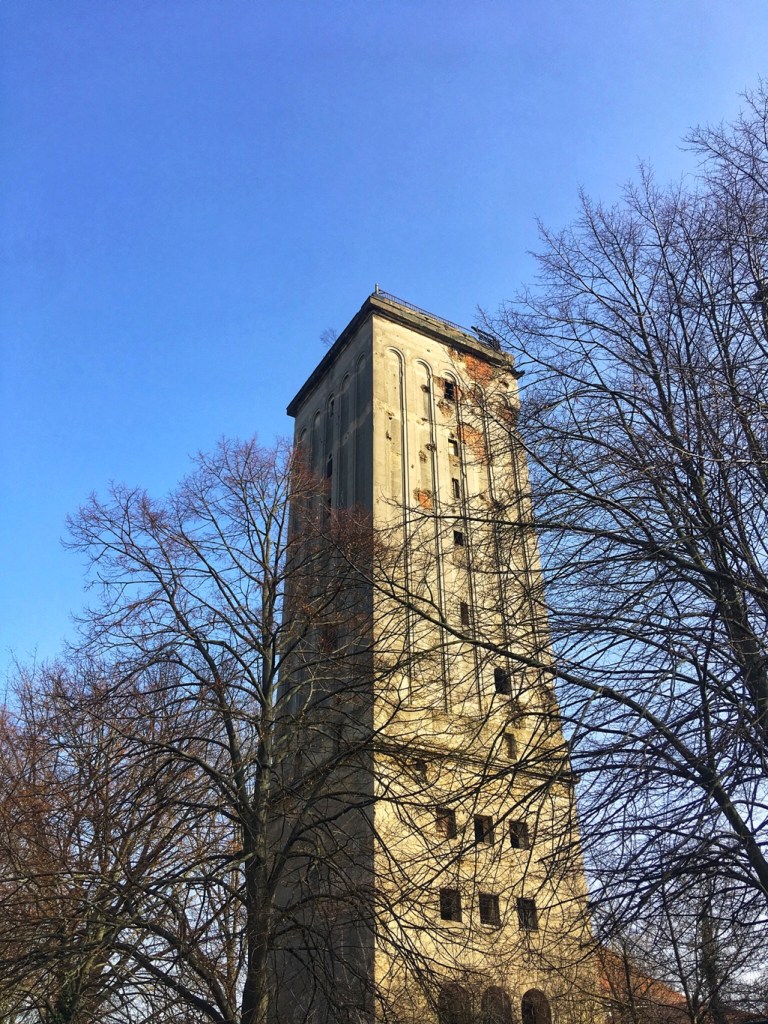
468,332
390,306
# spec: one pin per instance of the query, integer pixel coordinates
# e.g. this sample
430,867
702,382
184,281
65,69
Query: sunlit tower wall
469,849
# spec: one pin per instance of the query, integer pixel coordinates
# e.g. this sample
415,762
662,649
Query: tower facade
464,862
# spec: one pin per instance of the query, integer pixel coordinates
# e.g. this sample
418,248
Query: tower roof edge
384,304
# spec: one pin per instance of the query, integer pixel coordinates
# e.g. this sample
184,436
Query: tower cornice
383,304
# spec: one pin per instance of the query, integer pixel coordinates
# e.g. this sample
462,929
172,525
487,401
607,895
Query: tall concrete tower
466,862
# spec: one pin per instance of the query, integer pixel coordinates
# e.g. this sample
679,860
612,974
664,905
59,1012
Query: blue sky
192,191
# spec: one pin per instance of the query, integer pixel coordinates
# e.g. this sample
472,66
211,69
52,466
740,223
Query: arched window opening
535,1008
496,1006
454,1005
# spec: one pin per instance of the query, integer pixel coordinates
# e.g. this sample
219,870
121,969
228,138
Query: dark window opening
456,487
329,639
454,1005
464,613
445,819
329,481
510,743
458,539
496,1007
489,909
419,768
483,829
527,915
453,444
337,737
449,391
519,838
450,904
535,1007
501,680
331,405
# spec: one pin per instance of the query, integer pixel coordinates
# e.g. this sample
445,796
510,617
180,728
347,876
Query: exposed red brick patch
474,440
478,369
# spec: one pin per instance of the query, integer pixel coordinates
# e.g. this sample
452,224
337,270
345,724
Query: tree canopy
644,415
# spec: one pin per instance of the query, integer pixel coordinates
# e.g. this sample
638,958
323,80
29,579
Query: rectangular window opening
510,746
449,391
453,444
456,487
329,639
458,539
483,829
489,909
502,682
450,904
337,737
527,915
445,820
519,838
464,613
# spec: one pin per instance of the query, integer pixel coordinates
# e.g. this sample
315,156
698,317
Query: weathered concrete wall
414,416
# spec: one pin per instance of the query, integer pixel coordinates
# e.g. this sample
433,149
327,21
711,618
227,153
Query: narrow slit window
445,821
510,745
453,445
456,487
464,613
527,915
329,481
519,838
450,904
489,909
483,829
458,538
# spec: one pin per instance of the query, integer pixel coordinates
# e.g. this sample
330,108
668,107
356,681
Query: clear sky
192,191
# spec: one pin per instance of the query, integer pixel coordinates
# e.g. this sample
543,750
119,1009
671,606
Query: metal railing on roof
482,336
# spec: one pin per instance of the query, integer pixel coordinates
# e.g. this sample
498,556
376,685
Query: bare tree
692,956
644,417
240,628
84,826
272,654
